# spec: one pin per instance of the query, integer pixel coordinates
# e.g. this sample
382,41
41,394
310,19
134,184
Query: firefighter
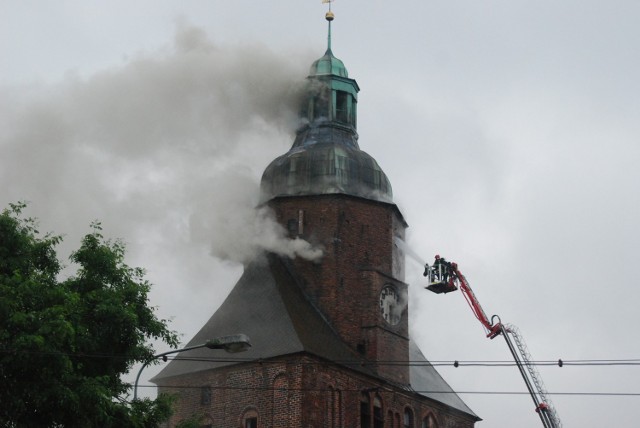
446,270
442,268
438,268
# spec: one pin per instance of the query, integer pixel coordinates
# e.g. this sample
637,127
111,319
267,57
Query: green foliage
64,345
194,421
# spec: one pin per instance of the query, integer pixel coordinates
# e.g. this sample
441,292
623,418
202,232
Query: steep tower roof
328,64
268,305
325,157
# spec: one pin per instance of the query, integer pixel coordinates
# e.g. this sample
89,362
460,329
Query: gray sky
508,130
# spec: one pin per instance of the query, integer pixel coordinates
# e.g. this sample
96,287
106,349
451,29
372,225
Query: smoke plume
164,149
238,231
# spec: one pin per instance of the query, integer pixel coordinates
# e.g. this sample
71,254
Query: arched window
331,418
365,411
334,408
378,415
408,418
280,400
250,419
429,422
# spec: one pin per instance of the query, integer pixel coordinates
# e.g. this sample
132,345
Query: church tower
330,193
331,345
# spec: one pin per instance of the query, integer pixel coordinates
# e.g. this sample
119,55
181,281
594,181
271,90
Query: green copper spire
328,64
332,95
329,17
325,157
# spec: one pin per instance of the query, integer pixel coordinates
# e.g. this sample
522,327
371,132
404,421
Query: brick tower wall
297,391
360,258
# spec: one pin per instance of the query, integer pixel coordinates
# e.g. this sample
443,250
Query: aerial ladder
445,277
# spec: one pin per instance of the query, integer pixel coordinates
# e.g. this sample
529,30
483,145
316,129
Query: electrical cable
268,388
435,363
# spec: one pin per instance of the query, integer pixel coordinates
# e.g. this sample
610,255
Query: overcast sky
509,130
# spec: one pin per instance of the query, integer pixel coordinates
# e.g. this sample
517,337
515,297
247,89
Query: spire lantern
325,157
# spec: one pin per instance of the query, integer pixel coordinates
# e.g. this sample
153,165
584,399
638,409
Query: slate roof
268,305
426,381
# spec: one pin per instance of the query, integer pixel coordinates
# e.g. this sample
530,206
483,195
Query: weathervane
329,14
329,17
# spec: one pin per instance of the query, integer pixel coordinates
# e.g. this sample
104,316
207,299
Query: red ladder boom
445,277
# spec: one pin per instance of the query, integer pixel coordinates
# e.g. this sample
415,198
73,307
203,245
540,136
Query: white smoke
236,229
166,148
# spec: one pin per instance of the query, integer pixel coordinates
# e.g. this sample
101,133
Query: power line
269,388
435,363
422,363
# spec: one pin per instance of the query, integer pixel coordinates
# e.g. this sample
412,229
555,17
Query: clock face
390,307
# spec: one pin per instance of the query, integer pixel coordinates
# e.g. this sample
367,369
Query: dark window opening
321,104
342,107
354,114
365,412
251,423
378,418
429,422
292,227
408,418
205,395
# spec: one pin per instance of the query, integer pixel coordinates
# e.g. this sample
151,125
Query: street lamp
231,344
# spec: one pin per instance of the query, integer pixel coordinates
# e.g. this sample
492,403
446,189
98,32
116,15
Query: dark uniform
446,269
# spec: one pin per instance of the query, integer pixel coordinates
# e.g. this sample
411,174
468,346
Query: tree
65,344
